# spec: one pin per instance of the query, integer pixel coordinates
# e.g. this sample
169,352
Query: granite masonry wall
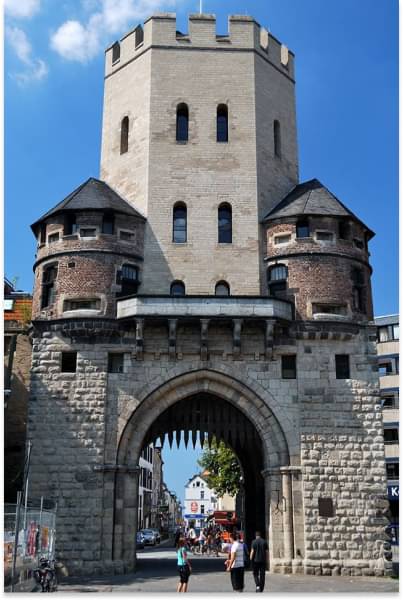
333,430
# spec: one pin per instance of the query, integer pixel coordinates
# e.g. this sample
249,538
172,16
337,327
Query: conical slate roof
311,198
93,194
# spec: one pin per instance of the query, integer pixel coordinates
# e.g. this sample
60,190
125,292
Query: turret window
88,232
42,234
128,278
126,236
358,243
124,135
182,123
344,230
48,286
177,288
357,276
302,228
108,223
53,238
179,234
224,224
277,280
70,225
277,138
222,289
324,236
82,304
222,123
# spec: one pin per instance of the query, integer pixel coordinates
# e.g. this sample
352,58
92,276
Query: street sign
393,492
163,508
194,516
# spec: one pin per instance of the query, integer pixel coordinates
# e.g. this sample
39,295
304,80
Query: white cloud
21,9
78,42
36,69
19,43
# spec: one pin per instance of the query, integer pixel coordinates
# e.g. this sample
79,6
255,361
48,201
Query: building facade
17,364
388,365
199,287
200,501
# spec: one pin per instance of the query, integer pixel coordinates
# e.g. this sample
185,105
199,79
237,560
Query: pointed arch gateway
206,387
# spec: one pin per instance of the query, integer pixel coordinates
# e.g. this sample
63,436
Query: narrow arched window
359,292
277,138
124,135
277,280
222,123
179,233
182,123
49,277
222,289
224,223
177,288
302,228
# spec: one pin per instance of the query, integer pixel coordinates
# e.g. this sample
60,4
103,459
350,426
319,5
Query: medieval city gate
199,267
215,405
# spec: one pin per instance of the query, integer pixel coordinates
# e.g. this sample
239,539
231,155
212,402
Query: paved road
157,574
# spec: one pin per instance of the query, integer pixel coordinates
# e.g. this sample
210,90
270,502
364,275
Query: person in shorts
184,567
235,563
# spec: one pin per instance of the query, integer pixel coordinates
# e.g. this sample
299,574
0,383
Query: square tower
239,151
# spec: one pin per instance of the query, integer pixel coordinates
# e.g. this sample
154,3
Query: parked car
140,540
149,536
157,535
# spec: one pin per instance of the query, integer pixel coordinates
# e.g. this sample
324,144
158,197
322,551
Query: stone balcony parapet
205,306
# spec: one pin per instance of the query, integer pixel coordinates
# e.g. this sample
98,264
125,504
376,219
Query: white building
200,501
145,488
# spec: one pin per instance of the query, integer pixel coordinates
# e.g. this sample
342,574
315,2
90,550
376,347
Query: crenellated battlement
160,30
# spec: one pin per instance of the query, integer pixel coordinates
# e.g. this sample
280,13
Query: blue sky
347,109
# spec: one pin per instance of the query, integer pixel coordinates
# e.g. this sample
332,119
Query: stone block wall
333,430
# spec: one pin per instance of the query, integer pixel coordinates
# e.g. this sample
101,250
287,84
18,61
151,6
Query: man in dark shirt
259,558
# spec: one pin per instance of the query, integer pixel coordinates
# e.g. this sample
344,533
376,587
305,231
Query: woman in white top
236,564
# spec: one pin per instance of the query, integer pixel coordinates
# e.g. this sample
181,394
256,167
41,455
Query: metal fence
29,533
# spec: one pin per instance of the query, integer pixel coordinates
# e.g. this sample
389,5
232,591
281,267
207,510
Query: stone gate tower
247,75
199,287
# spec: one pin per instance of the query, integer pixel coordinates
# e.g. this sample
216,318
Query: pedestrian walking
259,557
235,563
217,543
184,567
202,541
192,538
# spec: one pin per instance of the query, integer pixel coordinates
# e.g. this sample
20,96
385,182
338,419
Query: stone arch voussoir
264,413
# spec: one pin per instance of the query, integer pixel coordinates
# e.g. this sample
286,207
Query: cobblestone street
157,574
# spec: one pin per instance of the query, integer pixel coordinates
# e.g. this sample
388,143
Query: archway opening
198,420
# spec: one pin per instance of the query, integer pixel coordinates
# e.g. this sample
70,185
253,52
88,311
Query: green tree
224,471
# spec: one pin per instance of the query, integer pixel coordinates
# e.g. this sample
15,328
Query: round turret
317,256
90,252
